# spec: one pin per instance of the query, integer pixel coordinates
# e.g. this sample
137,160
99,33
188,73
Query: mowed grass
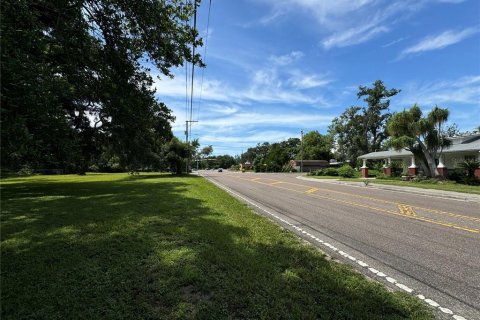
427,184
113,246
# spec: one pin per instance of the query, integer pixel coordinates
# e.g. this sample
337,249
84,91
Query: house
309,165
463,148
246,166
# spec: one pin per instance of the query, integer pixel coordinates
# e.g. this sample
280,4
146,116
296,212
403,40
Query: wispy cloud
353,36
286,59
265,85
254,119
347,22
465,90
440,41
302,80
391,43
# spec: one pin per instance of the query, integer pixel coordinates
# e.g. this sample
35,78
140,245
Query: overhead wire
189,124
204,59
186,86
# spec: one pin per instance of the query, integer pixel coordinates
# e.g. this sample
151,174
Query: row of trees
361,130
76,86
274,157
356,131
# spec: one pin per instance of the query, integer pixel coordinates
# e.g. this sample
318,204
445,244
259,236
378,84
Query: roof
459,144
311,162
387,154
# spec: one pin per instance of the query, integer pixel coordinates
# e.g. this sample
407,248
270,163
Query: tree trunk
432,166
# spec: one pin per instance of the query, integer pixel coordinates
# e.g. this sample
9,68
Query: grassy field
113,246
445,186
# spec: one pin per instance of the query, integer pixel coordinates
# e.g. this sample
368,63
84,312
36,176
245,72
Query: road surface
426,245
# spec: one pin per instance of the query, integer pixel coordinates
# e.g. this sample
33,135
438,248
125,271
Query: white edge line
430,302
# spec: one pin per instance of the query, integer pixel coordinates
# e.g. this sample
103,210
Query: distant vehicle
220,170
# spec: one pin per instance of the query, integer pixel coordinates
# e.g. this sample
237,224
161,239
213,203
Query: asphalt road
425,244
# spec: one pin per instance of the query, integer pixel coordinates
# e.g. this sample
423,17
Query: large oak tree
76,79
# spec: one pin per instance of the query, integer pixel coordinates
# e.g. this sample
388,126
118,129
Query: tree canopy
359,130
425,137
316,146
76,80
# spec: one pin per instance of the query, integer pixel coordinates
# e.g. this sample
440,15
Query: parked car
220,170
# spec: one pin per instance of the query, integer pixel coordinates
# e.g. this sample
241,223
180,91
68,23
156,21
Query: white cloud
440,41
286,59
255,119
465,90
301,80
326,13
391,43
248,138
347,22
353,36
265,86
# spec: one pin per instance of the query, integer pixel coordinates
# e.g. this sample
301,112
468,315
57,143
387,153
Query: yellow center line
406,210
450,214
381,210
312,190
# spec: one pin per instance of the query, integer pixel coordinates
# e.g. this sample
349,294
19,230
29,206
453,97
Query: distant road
408,241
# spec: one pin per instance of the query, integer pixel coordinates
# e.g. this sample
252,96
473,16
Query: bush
346,171
26,170
93,168
456,175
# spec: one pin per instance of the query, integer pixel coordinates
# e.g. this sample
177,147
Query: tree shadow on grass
157,250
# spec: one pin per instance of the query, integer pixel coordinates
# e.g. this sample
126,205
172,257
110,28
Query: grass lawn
113,246
446,186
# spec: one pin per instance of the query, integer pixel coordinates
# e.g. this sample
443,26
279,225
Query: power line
186,85
204,59
189,120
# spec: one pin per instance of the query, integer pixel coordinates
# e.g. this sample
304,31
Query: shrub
456,175
330,172
346,171
470,167
93,168
26,170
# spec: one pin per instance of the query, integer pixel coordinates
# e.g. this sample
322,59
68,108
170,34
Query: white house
463,148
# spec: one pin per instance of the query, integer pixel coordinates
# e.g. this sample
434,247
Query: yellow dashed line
450,214
405,210
312,190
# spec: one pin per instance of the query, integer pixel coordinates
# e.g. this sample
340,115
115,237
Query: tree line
363,129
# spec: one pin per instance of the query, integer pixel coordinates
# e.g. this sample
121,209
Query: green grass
445,186
112,246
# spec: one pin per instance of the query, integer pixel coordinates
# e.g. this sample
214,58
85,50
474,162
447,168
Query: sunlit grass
427,184
112,246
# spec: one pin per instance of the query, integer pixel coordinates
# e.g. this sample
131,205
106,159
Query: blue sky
275,67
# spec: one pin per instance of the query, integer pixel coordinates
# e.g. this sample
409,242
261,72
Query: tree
360,130
316,146
175,152
76,80
206,151
425,137
225,161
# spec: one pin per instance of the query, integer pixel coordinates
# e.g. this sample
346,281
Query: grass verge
445,186
163,247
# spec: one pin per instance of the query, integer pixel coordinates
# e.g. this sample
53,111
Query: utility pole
188,124
301,153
